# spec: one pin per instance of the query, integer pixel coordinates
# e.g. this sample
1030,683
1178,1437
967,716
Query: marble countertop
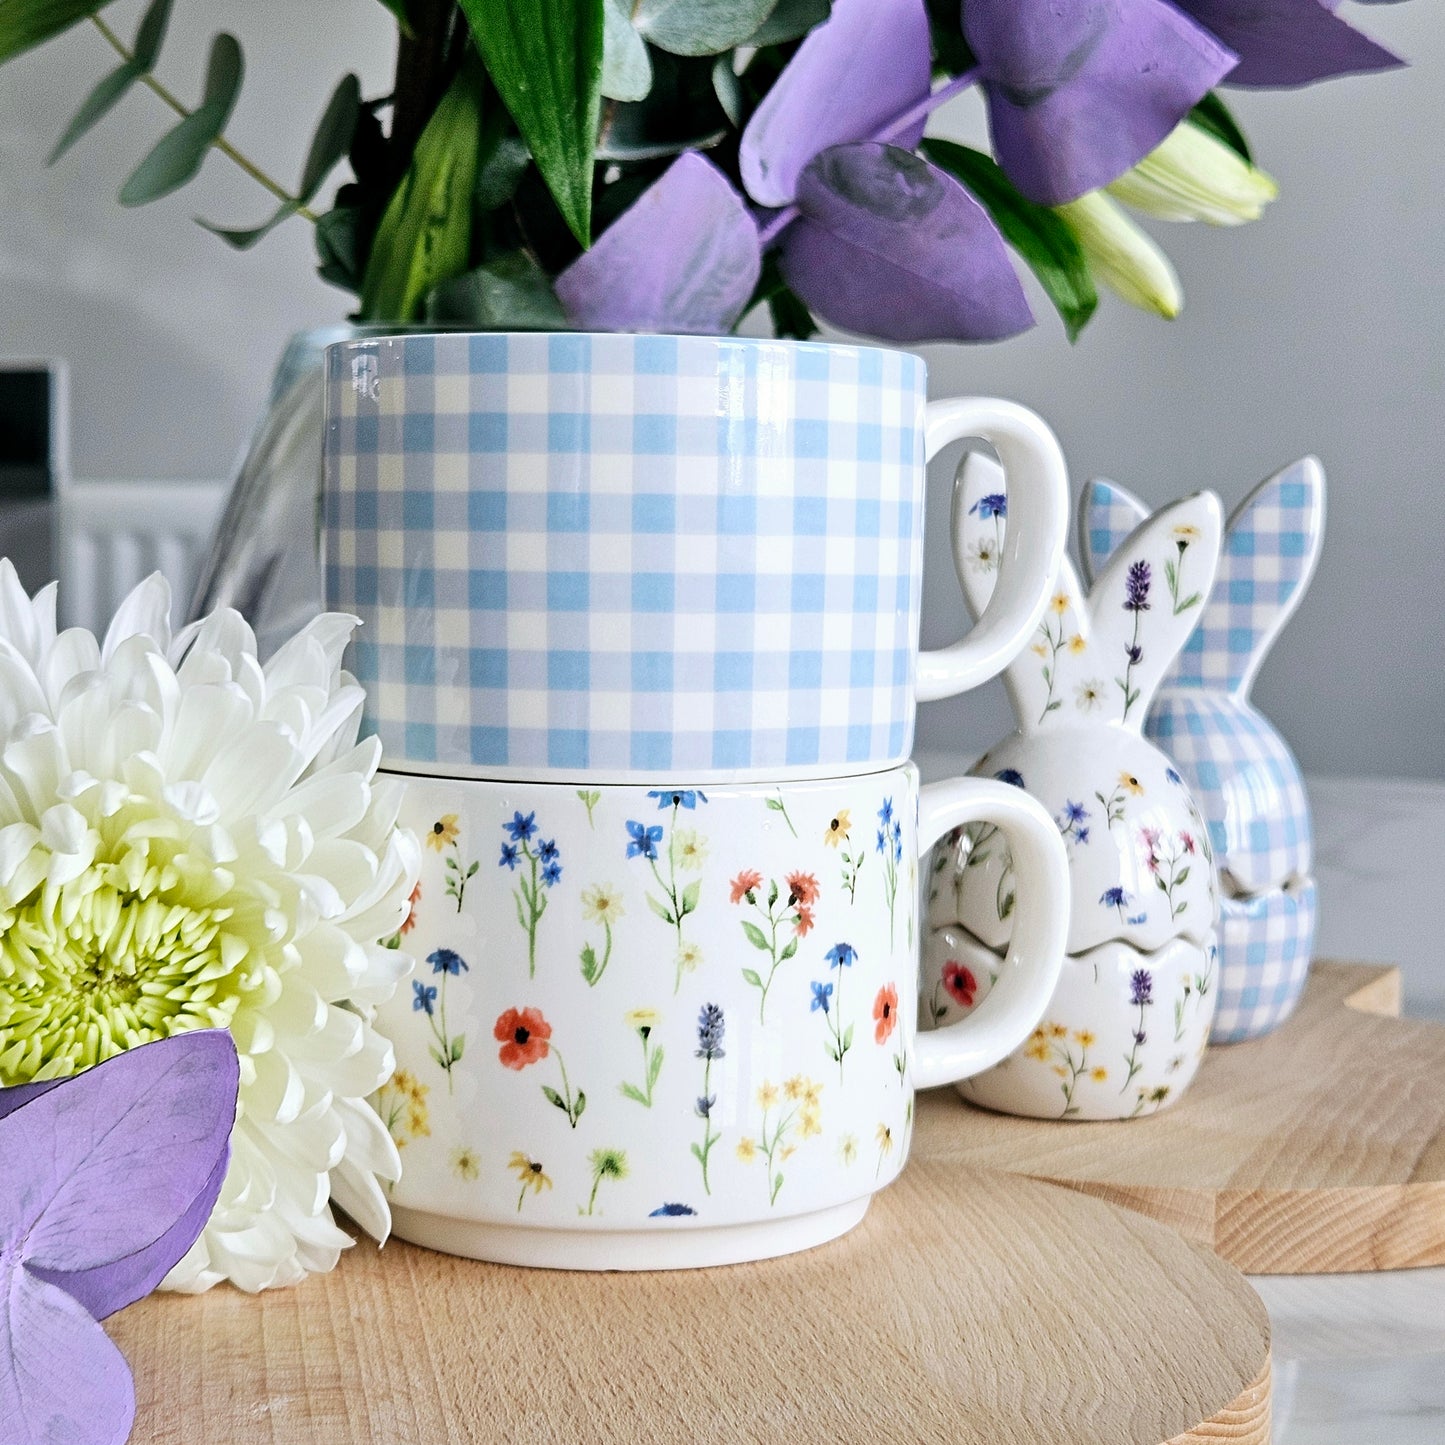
1360,1359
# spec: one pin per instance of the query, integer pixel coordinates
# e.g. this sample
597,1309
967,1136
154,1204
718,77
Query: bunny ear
1270,551
1039,680
1149,598
1107,514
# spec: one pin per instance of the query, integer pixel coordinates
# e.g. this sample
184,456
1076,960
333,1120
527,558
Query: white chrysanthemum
191,840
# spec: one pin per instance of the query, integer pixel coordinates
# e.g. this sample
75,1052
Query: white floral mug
674,1027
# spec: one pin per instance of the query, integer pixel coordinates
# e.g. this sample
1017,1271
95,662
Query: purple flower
1133,651
1080,90
822,992
995,504
642,841
711,1026
1136,588
443,960
423,996
841,955
1141,988
521,828
703,1107
1140,1037
672,1211
509,856
1011,776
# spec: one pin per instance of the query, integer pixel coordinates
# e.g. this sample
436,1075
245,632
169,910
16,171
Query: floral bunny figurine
1241,770
1132,1012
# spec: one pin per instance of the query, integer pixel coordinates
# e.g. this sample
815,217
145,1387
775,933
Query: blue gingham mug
635,557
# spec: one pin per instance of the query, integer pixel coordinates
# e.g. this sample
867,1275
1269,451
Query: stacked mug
640,623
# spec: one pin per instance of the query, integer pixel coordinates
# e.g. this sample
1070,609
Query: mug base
625,1249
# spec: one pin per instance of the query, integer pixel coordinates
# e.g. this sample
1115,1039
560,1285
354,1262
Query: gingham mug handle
1033,542
1029,972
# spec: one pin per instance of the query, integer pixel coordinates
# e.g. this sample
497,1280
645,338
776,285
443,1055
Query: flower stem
927,106
220,143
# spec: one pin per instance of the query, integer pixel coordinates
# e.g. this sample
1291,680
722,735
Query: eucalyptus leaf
332,139
508,293
1214,116
336,247
728,89
626,70
699,27
545,59
789,20
499,169
680,113
177,156
243,238
24,23
95,107
150,34
425,233
1045,242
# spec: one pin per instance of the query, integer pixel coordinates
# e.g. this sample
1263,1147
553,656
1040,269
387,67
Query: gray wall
1315,330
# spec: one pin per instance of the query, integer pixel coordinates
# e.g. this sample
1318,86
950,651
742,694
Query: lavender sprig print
431,999
1141,996
542,866
711,1026
1136,600
890,848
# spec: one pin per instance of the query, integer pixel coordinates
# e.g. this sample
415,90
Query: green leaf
776,804
690,896
789,951
509,293
1212,115
24,23
499,168
545,59
332,138
756,936
459,1042
589,963
578,1107
177,156
336,247
847,1038
1181,876
699,27
789,20
244,239
150,35
772,893
95,107
751,976
403,20
426,231
660,909
440,1057
471,872
631,1091
698,1155
626,70
1007,908
1050,249
1193,600
654,1068
553,1097
521,909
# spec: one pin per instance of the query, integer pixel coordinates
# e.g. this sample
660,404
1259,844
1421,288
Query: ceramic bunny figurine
1243,773
1132,1012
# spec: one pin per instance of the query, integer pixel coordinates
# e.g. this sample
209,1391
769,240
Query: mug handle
1038,500
1030,971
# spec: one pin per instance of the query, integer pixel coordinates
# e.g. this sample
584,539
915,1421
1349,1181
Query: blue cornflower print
842,955
1116,897
677,797
521,828
840,1039
885,813
995,504
541,862
443,960
897,842
822,993
509,857
547,850
552,874
1012,777
711,1026
1071,822
1081,835
890,849
642,840
882,844
423,997
1074,814
671,1211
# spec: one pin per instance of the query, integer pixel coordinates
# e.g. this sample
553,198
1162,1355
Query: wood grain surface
971,1308
1320,1148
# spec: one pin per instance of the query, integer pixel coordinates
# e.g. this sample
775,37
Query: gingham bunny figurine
1241,770
1132,1012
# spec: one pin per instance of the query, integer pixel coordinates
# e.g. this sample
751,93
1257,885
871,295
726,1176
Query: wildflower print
1054,636
1073,823
689,958
848,1148
686,851
530,1175
1141,996
960,985
982,555
995,506
980,840
793,1110
466,1163
671,1211
793,909
1168,861
526,1038
890,848
1068,1055
1147,1097
606,1164
776,805
643,1022
1136,600
1117,898
442,833
1174,569
884,1135
1181,1008
601,903
1012,777
431,999
829,998
1089,695
711,1026
1117,802
541,861
409,922
590,798
401,1105
885,1025
838,834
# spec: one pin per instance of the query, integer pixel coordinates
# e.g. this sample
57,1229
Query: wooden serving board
1319,1148
977,1309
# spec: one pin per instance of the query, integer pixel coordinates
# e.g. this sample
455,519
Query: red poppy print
960,983
885,1013
523,1035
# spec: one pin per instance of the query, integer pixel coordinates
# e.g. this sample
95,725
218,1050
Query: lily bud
1191,176
1122,256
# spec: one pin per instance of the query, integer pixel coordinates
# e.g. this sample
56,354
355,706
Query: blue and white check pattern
1245,780
1264,955
628,554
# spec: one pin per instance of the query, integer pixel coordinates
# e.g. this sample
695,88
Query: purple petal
115,1158
849,80
890,246
12,1098
683,258
61,1377
1288,42
1080,90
